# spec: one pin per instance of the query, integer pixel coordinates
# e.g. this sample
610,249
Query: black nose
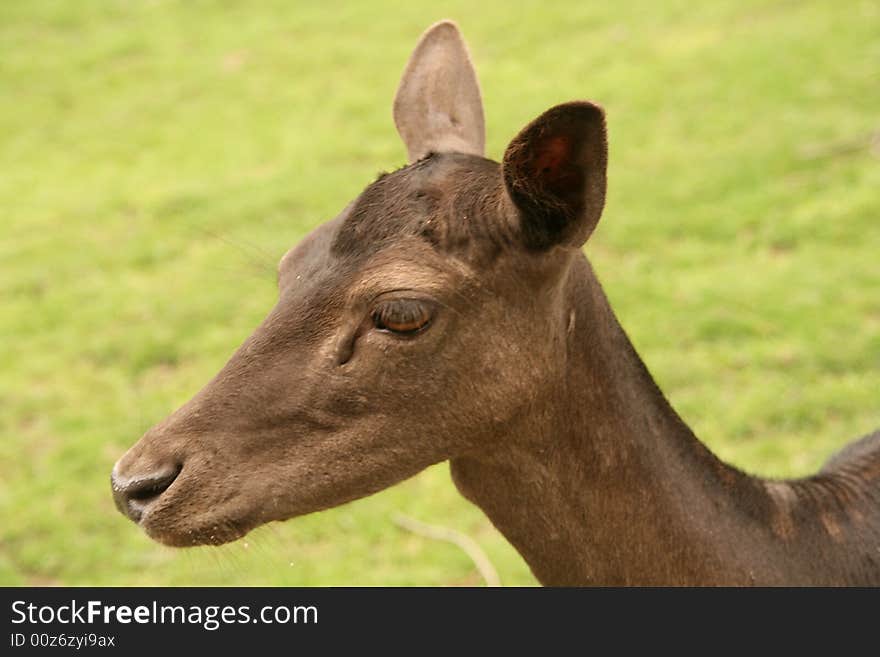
134,493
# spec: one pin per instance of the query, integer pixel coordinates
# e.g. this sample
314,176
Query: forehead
443,203
440,199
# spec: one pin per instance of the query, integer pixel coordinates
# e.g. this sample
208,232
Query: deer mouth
163,503
193,520
215,532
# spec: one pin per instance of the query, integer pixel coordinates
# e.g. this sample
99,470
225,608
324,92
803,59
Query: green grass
157,158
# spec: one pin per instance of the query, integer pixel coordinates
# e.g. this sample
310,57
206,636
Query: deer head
421,324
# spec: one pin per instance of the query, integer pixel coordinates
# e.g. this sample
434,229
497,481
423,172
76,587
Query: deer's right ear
438,107
554,171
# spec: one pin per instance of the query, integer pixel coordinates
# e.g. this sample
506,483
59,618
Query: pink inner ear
553,154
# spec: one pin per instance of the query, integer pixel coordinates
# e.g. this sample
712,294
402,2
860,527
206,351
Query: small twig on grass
846,146
466,543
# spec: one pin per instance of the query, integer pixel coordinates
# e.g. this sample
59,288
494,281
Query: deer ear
554,172
438,107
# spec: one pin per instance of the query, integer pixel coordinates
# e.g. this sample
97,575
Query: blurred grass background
157,158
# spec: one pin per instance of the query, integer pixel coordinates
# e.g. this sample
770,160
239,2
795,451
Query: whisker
255,254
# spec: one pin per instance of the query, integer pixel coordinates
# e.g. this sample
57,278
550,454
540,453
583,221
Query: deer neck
603,484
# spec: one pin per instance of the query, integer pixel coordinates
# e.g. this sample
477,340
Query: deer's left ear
554,171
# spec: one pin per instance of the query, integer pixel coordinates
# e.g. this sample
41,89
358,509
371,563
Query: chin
185,534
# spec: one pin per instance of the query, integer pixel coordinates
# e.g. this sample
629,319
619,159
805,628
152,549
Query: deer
449,313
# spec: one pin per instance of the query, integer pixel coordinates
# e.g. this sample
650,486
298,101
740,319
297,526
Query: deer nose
133,493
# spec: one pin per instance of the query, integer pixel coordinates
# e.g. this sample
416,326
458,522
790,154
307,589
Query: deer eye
403,316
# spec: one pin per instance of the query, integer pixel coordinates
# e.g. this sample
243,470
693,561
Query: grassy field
157,158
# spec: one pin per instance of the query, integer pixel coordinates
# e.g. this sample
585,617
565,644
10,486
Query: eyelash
402,316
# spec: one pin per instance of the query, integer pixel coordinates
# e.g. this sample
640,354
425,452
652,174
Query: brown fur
522,379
